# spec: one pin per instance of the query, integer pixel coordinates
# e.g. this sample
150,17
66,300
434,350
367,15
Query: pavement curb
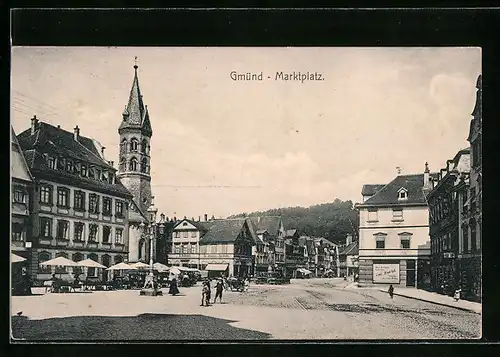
436,303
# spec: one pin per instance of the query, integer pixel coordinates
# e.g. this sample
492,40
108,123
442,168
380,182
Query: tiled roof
370,190
271,224
199,225
56,141
350,249
222,230
388,195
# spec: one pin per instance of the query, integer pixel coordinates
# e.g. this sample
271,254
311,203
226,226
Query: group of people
206,292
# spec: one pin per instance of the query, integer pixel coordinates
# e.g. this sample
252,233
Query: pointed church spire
134,110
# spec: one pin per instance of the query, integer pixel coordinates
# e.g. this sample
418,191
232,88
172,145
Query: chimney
111,163
175,219
152,200
34,124
185,217
76,133
206,217
199,218
427,182
58,127
102,151
348,239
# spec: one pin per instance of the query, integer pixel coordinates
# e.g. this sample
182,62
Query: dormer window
51,162
402,194
83,171
69,166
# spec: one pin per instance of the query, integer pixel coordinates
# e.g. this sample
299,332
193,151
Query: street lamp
149,231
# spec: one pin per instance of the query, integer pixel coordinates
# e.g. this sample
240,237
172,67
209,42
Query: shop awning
216,267
304,271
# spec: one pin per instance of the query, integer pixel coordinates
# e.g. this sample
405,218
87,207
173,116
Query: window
119,209
224,248
177,249
184,249
106,234
106,206
63,197
177,234
193,248
194,234
106,260
93,203
402,194
76,168
380,241
118,259
43,257
19,195
465,236
79,201
144,165
93,232
83,170
405,241
69,166
60,164
51,163
372,215
91,172
473,237
62,230
133,164
118,235
105,176
111,178
92,271
123,146
45,227
397,214
185,234
133,144
17,232
46,194
98,174
78,231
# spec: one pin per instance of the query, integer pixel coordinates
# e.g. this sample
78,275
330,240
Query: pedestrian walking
204,290
173,289
218,291
209,292
391,291
456,296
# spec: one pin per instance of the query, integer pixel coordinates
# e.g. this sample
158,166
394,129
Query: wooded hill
329,220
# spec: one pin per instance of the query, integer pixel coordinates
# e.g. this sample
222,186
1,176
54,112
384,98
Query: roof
18,166
224,230
199,225
271,224
48,139
324,241
388,195
136,115
371,189
350,249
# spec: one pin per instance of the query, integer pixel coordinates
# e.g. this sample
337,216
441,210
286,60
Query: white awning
216,267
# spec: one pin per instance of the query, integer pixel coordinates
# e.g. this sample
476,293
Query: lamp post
149,231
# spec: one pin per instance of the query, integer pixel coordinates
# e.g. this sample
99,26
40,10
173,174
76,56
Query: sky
224,147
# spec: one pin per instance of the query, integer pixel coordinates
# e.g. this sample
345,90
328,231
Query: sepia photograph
245,193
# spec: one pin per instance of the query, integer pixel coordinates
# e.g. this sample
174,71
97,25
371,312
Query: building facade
469,258
445,207
185,238
349,258
22,193
294,253
394,244
79,205
272,228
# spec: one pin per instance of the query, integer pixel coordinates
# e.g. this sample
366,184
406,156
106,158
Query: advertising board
386,273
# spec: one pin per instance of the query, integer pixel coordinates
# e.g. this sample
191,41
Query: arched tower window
133,164
144,146
123,146
134,144
144,165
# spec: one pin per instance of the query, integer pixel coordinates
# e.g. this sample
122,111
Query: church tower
134,158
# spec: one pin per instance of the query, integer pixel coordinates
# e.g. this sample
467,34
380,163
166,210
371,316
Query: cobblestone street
304,309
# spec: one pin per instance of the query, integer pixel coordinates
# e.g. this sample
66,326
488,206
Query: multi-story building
134,169
272,228
469,258
444,220
349,257
324,256
294,253
262,252
394,244
79,205
309,261
185,238
228,242
22,190
164,239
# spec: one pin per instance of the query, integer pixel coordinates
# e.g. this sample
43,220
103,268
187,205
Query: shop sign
386,273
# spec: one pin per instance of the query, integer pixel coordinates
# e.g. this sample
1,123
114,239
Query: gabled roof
47,139
136,115
199,225
271,224
19,168
350,249
290,232
371,189
324,241
225,230
388,195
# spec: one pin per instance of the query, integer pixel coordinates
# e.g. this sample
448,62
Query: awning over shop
216,267
304,271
